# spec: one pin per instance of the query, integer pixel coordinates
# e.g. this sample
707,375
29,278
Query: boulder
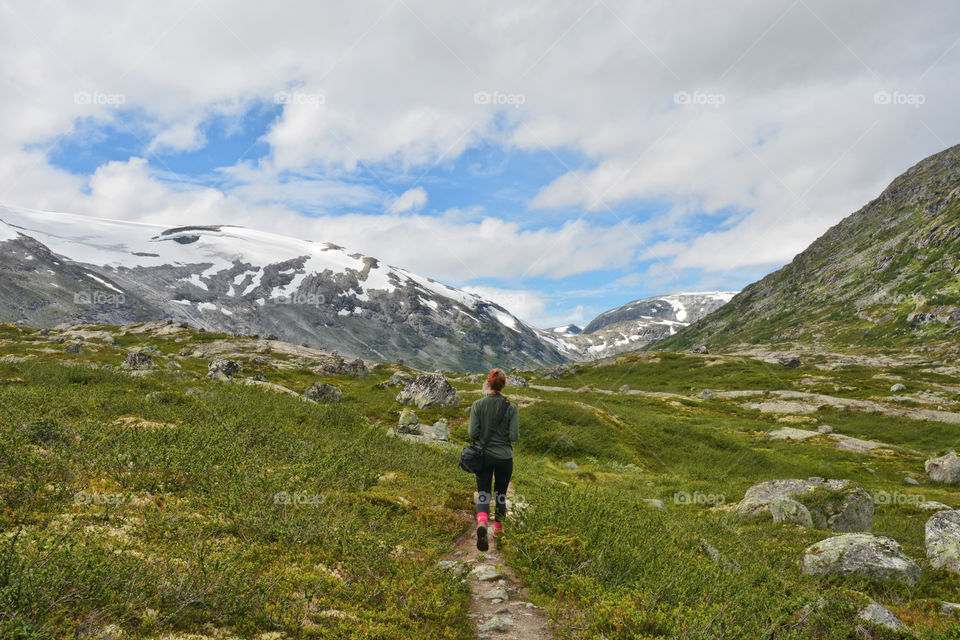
910,481
655,503
74,347
223,369
323,393
338,366
429,390
409,422
943,540
624,388
825,428
791,433
932,505
789,510
791,362
440,430
700,348
898,387
838,505
571,466
398,379
517,381
881,616
173,364
863,554
707,394
138,361
944,469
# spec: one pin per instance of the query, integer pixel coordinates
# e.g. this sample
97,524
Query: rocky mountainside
57,268
887,276
635,324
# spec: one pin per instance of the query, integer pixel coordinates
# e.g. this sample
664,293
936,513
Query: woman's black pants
496,471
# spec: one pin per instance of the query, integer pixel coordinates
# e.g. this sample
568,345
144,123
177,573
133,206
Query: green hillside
169,505
885,278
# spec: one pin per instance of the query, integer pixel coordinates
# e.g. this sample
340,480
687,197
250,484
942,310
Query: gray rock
398,379
571,466
881,616
789,510
258,377
843,507
790,433
943,540
932,505
707,394
223,369
496,623
323,393
864,554
910,481
944,469
137,361
429,390
74,347
440,430
950,609
408,422
456,566
624,388
824,428
658,504
485,573
497,593
517,381
173,364
791,362
700,348
898,387
335,365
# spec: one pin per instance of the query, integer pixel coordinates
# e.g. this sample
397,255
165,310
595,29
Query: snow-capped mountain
635,324
59,267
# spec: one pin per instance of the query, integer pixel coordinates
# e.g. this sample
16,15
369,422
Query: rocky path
499,604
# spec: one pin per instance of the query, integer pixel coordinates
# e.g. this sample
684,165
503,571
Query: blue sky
559,158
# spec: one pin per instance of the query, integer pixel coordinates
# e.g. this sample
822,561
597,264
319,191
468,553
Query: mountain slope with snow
59,267
635,324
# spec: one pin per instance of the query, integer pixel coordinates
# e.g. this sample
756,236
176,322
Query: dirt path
499,604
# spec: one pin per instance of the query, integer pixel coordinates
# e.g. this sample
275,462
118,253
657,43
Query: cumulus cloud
409,200
770,119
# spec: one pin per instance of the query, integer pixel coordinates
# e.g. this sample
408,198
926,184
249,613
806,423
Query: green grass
111,517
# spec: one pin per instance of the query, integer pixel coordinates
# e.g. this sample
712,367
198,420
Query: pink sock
482,519
497,527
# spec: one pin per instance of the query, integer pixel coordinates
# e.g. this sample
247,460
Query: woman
494,425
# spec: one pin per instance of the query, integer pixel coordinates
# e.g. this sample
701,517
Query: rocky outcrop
323,393
338,366
137,361
398,379
945,469
223,369
943,540
838,505
429,390
517,381
864,554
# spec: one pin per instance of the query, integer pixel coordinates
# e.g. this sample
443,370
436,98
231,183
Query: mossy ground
127,501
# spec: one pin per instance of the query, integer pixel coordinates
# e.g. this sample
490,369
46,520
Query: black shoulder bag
471,458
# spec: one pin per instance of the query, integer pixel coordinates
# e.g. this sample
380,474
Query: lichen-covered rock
864,554
944,469
223,369
409,422
838,505
789,510
429,390
440,430
881,616
138,361
339,366
517,381
943,540
323,393
398,379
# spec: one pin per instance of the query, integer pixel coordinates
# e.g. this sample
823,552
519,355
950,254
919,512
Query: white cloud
796,144
410,200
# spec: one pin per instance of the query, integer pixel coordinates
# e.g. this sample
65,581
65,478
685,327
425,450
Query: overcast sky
561,158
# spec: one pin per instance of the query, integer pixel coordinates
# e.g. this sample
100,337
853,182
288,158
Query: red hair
496,380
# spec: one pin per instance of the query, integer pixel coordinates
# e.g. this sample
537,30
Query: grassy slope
857,285
200,545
